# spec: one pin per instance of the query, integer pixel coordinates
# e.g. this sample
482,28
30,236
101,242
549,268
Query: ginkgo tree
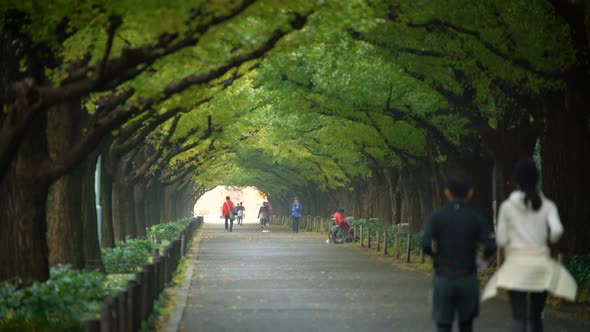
63,60
177,98
518,71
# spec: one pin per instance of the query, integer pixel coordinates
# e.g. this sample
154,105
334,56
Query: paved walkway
248,280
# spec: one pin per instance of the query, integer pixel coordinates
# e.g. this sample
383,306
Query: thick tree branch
440,25
404,155
277,35
138,172
421,52
184,182
115,22
119,147
124,66
102,127
432,130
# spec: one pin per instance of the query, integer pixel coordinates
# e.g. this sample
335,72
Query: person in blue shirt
296,209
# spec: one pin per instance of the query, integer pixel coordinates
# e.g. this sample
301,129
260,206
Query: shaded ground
277,281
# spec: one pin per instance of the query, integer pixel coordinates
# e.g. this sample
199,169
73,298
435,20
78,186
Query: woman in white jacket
526,221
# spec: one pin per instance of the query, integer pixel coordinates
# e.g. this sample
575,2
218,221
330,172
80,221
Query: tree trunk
158,200
64,202
149,204
23,227
119,210
129,206
26,212
106,203
565,155
139,197
64,224
71,204
169,203
92,255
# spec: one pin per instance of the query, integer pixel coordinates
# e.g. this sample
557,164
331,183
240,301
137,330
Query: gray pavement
247,280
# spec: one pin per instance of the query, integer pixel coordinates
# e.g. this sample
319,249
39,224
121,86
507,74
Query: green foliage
403,239
579,267
61,303
127,257
167,231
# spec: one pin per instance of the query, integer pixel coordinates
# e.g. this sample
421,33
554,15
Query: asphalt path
249,280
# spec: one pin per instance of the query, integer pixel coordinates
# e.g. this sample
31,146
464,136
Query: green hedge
131,255
579,267
127,257
167,232
69,297
59,304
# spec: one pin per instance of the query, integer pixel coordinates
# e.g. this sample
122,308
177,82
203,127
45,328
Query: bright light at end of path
209,205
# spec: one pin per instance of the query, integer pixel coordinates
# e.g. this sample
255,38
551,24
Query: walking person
241,209
527,220
263,214
456,231
227,210
296,209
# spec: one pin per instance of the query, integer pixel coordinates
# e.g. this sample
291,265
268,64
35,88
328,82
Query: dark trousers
296,224
521,317
455,296
231,223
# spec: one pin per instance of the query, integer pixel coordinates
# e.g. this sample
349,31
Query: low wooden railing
127,310
362,233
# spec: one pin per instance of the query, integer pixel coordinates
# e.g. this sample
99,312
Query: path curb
181,293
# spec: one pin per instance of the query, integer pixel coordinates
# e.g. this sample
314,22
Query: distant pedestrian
296,209
456,232
241,210
263,213
228,211
526,221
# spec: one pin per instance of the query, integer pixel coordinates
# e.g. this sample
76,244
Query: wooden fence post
409,247
386,240
397,244
149,284
166,264
106,316
362,239
157,273
134,305
378,240
368,236
122,310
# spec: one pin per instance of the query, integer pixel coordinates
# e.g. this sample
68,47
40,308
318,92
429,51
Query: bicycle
340,235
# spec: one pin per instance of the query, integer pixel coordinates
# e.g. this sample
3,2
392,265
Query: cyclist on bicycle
339,218
341,223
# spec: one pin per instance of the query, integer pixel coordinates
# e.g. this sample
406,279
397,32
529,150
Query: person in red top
226,210
341,222
339,218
